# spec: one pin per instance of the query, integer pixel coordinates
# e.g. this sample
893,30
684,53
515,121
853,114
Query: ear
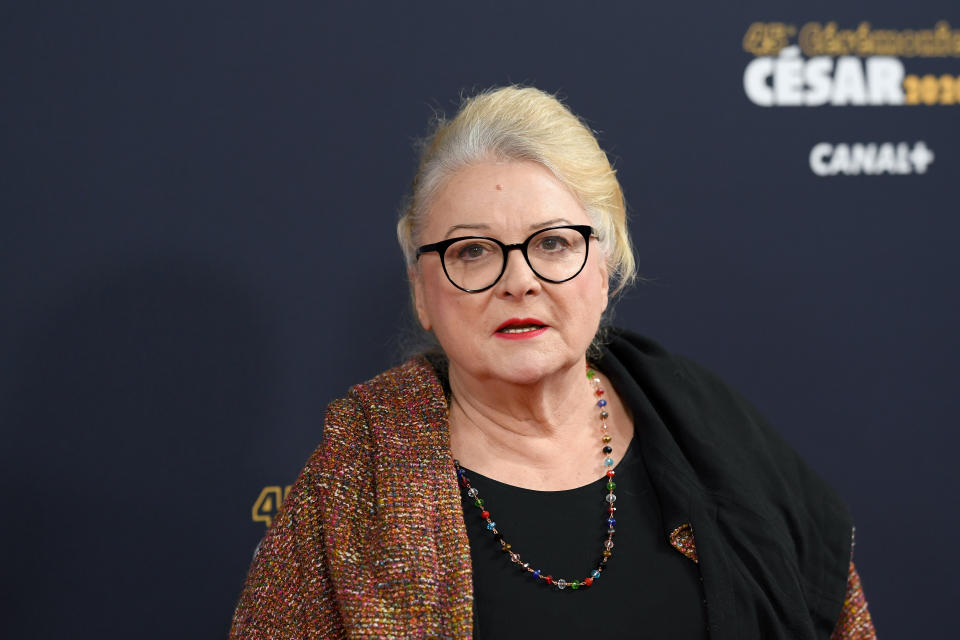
419,301
605,278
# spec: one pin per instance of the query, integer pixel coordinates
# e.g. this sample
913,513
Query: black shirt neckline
628,458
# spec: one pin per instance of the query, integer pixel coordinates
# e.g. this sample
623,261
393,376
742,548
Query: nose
518,279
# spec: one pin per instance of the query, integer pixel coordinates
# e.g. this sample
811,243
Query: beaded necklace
537,574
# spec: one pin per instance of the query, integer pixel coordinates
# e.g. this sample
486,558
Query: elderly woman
535,474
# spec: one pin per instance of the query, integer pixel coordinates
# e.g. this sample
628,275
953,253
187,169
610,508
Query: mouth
521,326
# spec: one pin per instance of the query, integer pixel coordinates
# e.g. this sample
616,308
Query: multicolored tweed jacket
371,541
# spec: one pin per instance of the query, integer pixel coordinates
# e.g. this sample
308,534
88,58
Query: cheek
594,289
449,308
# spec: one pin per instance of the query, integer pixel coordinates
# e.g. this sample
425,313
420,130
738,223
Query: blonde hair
524,123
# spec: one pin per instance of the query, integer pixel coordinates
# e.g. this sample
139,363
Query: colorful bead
608,449
484,514
611,473
611,486
612,522
473,493
608,462
548,579
536,573
491,525
588,582
604,415
561,584
591,373
478,502
602,403
606,438
595,574
575,585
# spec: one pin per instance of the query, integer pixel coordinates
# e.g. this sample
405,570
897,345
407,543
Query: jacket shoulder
407,385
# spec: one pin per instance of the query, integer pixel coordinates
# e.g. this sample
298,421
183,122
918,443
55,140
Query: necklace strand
610,499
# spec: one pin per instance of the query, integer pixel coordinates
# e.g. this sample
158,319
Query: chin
526,369
524,376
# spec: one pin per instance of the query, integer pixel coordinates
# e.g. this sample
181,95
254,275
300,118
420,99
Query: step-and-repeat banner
197,254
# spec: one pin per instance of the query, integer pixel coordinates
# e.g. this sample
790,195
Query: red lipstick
520,329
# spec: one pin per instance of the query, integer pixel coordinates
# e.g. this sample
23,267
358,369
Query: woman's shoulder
696,397
401,403
705,437
730,445
407,386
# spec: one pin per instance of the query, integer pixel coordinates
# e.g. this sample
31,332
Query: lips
521,326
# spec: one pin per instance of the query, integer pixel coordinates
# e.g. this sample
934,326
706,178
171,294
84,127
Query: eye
552,244
471,251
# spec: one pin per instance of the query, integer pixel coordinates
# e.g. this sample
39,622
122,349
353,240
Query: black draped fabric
773,538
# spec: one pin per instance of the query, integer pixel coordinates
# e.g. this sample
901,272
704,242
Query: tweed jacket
371,541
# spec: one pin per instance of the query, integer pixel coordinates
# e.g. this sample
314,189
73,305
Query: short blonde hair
524,123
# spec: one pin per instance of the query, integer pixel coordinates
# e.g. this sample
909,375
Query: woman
536,473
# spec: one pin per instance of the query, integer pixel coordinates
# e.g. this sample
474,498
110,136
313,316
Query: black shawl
773,539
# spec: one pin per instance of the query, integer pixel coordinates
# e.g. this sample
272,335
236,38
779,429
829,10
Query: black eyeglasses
476,263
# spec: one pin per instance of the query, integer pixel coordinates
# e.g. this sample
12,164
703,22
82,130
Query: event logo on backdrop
267,504
824,65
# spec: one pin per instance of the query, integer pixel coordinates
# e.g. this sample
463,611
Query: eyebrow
549,223
533,227
466,226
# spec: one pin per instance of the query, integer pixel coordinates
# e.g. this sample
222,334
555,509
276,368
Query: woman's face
508,201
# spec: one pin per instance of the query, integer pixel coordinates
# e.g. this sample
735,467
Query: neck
532,435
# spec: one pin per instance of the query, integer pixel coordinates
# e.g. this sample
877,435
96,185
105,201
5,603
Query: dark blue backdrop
197,254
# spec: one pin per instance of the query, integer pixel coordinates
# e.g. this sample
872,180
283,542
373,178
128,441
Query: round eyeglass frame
441,247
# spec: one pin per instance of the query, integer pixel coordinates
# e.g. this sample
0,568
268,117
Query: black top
648,589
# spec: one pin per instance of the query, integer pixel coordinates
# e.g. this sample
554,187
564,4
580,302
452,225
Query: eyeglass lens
553,254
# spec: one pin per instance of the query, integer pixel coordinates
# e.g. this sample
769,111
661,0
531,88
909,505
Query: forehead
500,198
